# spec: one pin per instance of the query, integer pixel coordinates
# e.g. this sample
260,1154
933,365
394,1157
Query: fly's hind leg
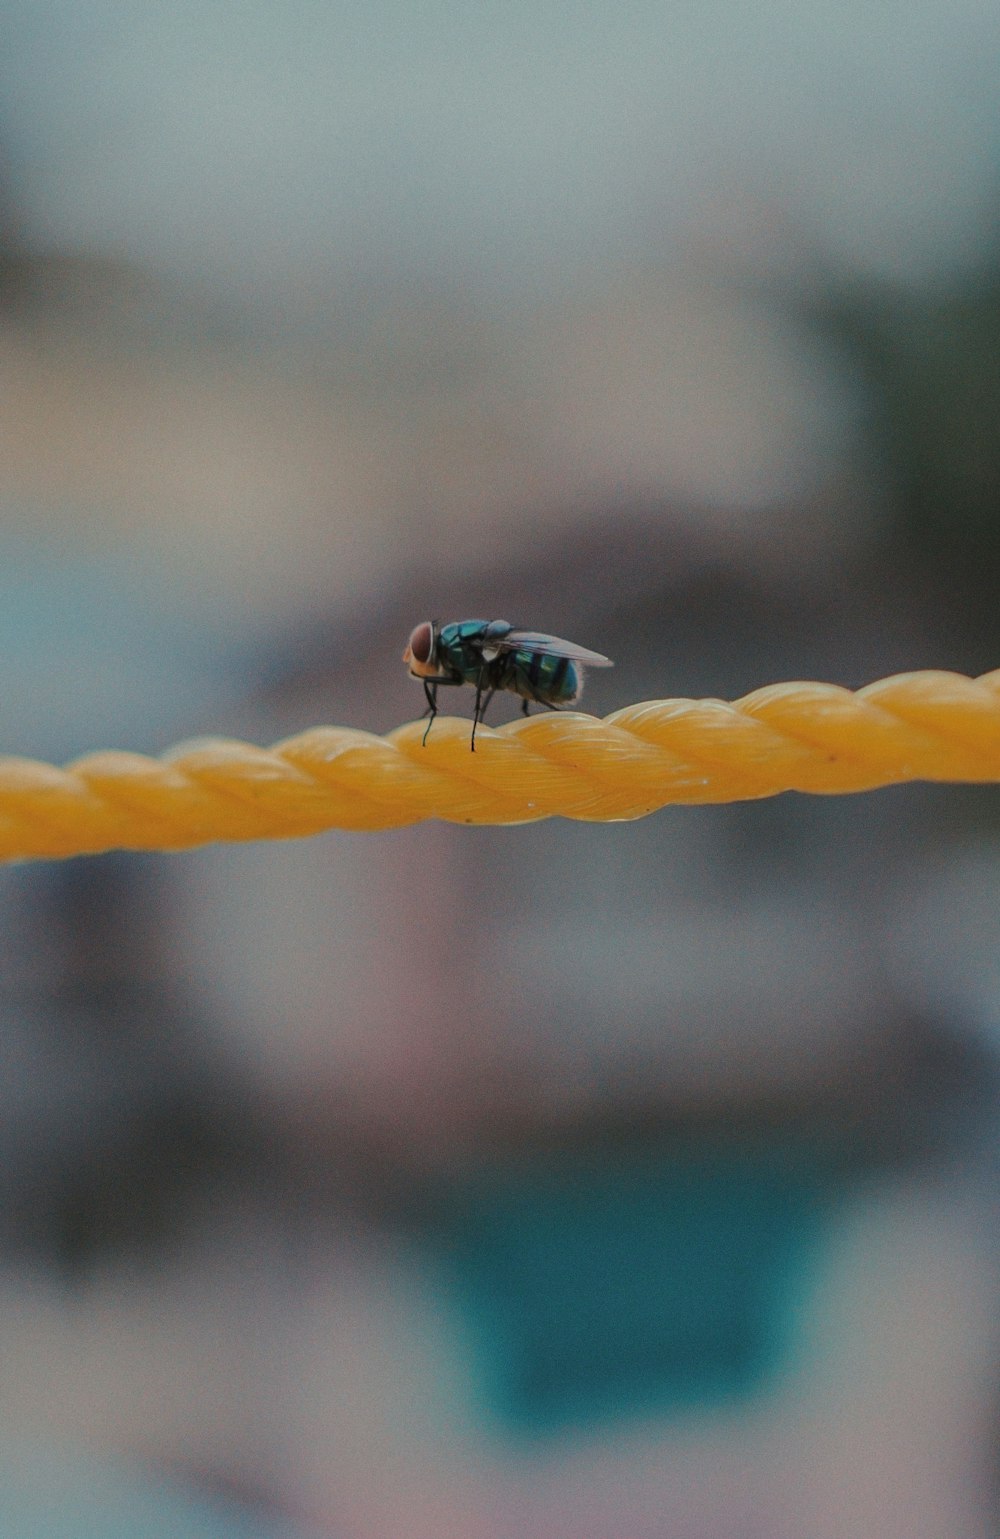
481,704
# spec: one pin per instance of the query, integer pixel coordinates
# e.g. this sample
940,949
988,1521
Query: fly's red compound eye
422,643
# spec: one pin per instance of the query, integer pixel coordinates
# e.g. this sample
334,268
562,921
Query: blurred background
568,1180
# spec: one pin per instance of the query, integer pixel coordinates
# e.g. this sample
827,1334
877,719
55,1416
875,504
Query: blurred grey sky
500,147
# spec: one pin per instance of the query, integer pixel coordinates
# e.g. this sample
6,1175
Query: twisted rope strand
787,737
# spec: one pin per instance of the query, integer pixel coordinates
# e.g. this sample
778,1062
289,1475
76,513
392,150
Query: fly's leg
431,687
431,692
478,713
482,701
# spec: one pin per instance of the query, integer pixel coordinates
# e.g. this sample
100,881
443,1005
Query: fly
492,655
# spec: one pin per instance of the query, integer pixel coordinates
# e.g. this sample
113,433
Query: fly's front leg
431,692
431,687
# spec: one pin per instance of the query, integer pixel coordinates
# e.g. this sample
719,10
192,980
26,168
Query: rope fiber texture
786,737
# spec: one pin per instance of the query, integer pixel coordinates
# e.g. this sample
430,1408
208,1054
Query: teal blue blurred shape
108,653
601,1287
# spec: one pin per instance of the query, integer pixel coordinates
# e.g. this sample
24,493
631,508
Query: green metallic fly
492,655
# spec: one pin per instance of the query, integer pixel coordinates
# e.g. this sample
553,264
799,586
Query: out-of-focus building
562,1180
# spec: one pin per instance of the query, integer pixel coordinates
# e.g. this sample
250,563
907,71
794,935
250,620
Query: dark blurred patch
107,301
116,1120
930,366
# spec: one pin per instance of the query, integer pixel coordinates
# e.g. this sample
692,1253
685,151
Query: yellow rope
787,737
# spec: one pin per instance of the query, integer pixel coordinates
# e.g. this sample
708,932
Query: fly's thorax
460,648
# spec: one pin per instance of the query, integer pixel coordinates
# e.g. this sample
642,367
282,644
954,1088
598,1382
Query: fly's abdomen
539,676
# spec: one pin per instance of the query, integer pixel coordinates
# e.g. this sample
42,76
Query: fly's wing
552,646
